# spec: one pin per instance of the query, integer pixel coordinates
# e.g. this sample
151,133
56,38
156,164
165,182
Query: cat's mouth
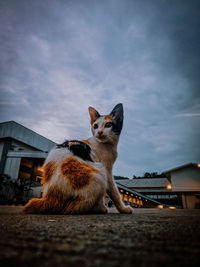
101,137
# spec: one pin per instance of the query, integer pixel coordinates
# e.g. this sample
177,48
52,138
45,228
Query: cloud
188,115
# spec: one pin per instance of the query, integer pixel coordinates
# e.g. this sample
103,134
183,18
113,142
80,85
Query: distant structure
159,189
22,152
178,187
185,181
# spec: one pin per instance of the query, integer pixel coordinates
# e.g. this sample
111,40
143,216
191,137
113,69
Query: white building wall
186,179
12,167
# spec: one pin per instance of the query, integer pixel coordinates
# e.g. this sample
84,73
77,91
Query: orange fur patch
55,198
86,142
77,173
49,171
93,114
35,206
72,206
72,143
108,118
53,202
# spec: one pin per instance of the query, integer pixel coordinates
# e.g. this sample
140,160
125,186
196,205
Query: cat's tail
78,206
36,206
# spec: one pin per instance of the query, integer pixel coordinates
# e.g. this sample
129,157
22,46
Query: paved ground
149,237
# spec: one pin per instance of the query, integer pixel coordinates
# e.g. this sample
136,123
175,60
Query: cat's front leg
115,196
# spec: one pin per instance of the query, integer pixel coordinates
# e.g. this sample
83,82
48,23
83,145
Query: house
22,153
185,181
178,187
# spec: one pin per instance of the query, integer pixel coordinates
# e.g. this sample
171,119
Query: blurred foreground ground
149,237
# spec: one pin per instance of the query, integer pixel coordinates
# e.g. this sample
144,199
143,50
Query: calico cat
78,174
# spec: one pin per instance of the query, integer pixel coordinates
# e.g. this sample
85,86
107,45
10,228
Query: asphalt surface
149,237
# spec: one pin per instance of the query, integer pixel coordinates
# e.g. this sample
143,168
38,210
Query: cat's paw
127,210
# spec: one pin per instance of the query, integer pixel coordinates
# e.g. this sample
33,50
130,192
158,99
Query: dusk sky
59,57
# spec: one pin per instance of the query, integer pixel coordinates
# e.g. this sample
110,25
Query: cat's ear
118,112
118,116
94,114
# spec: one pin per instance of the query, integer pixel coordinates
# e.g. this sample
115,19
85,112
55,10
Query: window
31,169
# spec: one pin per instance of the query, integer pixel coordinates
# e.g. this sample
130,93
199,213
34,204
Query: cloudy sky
59,57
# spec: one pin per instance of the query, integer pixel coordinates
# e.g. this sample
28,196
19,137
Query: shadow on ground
149,237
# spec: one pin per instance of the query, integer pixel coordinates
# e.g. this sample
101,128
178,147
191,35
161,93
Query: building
185,181
136,199
158,189
178,187
22,153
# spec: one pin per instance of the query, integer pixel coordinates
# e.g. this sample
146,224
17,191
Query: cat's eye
95,126
108,124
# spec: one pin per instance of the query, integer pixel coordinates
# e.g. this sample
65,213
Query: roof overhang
182,167
32,154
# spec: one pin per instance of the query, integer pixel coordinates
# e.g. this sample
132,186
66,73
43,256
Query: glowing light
172,208
169,186
160,206
198,165
127,193
40,169
121,190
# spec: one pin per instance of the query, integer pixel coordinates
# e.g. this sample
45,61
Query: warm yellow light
169,186
40,169
160,206
172,208
198,165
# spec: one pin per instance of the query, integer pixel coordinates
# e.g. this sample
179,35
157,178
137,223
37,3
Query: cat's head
107,128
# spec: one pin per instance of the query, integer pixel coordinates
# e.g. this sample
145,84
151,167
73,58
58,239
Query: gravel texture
149,237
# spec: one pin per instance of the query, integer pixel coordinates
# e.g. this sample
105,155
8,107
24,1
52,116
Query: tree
147,175
150,175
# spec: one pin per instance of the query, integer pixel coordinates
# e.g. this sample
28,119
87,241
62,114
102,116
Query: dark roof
119,185
145,182
12,129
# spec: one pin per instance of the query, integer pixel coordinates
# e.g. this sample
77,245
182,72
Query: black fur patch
118,114
97,115
78,148
117,126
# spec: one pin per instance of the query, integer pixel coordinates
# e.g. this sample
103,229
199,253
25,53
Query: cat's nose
100,133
